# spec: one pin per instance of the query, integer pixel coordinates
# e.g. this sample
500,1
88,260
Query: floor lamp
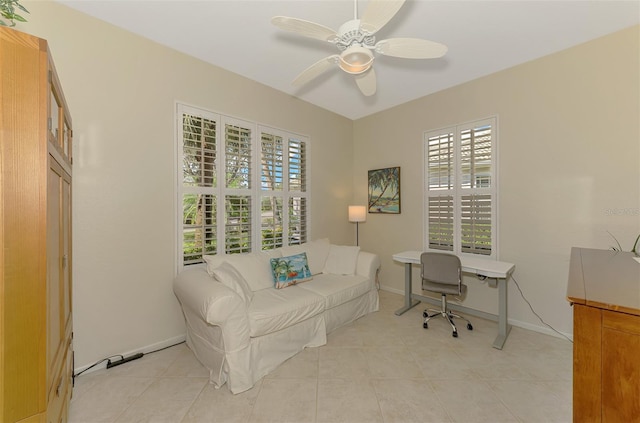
357,214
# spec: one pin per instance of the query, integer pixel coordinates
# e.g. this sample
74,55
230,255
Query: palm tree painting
384,190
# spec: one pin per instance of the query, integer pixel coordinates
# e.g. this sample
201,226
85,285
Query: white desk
498,270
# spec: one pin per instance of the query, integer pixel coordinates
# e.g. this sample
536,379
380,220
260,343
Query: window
460,188
241,187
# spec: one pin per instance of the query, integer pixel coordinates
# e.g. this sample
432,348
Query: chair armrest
214,303
368,265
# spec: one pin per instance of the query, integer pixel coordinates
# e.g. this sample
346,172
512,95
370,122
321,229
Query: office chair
442,273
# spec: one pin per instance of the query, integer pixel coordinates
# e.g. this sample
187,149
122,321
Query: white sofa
241,327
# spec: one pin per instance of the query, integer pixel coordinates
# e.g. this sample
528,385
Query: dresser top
604,279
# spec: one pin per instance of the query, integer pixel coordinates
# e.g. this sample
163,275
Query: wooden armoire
36,354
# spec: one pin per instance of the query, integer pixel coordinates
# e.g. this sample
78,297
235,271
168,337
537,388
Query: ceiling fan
356,41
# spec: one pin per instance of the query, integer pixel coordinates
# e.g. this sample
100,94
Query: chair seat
443,288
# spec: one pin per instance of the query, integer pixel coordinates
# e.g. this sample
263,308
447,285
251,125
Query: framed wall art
384,190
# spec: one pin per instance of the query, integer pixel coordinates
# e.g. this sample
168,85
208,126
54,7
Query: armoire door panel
55,331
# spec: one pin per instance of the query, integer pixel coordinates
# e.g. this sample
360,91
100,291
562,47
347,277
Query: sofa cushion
338,289
254,267
317,252
290,270
274,309
342,260
231,278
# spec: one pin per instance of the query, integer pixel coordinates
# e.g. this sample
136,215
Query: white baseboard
540,329
524,325
394,290
146,349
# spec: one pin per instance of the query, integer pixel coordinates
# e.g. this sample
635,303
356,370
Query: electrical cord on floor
98,362
164,348
537,315
122,359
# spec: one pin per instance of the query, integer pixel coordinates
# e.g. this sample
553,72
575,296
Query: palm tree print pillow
290,270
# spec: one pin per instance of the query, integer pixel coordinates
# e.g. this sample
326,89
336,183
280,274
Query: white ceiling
483,37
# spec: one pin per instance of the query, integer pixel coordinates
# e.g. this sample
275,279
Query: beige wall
122,90
569,155
569,168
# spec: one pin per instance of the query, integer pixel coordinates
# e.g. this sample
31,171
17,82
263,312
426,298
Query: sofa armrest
215,304
368,265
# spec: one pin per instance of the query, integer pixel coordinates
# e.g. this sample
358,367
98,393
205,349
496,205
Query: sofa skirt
350,311
267,352
243,367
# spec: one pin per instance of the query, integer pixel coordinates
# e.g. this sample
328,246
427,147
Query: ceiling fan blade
315,70
411,48
305,28
367,82
378,13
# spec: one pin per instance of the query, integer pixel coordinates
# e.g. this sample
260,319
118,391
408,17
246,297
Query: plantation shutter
475,222
297,165
198,140
476,180
237,218
475,157
440,200
238,183
284,170
460,188
237,157
440,221
271,179
297,184
241,187
440,162
272,166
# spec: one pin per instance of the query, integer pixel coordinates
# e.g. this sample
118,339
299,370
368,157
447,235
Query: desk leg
407,291
503,326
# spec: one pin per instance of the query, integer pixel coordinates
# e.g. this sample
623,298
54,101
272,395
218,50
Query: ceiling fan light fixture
356,60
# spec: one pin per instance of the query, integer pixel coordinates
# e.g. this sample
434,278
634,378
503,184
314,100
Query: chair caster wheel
425,325
424,314
469,326
455,334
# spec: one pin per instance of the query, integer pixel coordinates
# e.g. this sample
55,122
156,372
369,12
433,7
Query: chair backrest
442,268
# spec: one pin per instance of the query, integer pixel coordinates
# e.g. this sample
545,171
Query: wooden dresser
36,355
604,288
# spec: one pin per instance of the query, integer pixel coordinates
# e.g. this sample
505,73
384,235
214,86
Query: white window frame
456,190
254,191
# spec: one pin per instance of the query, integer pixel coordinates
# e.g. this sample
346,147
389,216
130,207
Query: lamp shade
357,213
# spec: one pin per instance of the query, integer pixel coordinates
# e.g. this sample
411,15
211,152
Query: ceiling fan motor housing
351,34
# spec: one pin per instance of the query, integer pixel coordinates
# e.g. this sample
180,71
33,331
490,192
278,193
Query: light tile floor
381,368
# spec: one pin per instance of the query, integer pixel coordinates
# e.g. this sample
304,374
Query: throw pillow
254,267
342,260
290,270
317,252
213,262
227,275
